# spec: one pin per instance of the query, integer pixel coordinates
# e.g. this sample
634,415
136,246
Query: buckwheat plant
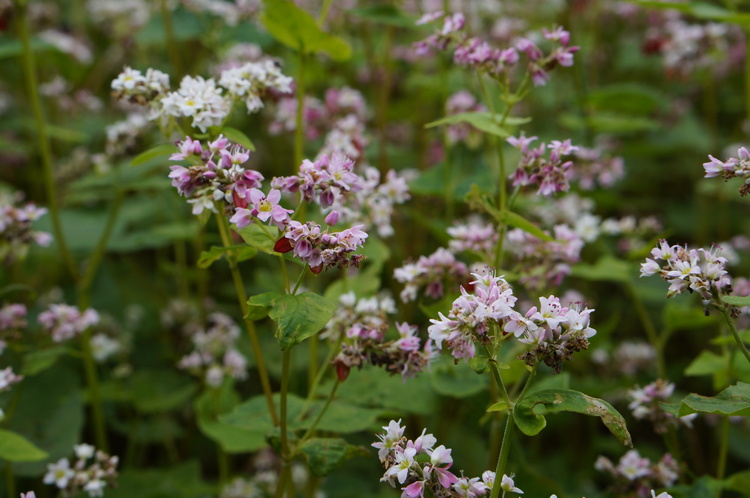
92,471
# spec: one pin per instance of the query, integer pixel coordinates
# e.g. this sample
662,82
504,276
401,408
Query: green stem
747,74
223,461
322,412
299,280
10,478
285,451
503,458
30,73
324,12
498,378
648,326
735,334
721,465
249,325
174,51
320,373
299,130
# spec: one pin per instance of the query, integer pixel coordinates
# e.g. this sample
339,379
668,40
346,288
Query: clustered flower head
496,62
12,319
215,356
687,47
732,167
637,475
65,322
215,174
702,271
422,469
628,358
15,228
542,263
264,478
431,272
373,203
7,379
360,326
554,331
91,472
645,403
323,181
322,250
593,168
473,315
199,98
475,235
535,168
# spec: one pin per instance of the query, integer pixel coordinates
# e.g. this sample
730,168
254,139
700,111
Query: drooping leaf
732,401
567,400
262,238
737,300
298,30
164,150
16,448
606,268
160,390
243,253
259,305
210,405
238,137
300,316
518,221
324,455
482,121
38,361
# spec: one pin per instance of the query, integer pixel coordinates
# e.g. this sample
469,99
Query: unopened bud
332,218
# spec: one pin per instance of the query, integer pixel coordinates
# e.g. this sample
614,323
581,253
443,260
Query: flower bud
332,218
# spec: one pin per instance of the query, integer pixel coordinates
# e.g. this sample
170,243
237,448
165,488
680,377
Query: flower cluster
732,167
8,378
431,272
645,403
135,87
231,13
593,168
263,207
360,327
534,168
542,263
477,53
90,477
637,475
12,318
265,478
628,358
687,47
554,331
65,322
323,181
475,235
404,466
215,174
373,203
701,270
202,99
214,354
15,228
458,103
472,316
322,250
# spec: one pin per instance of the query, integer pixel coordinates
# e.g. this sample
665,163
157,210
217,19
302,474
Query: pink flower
266,207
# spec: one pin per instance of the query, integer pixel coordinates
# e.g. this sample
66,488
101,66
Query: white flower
84,451
59,473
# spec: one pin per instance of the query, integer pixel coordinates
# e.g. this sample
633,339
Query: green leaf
632,98
16,448
606,268
164,150
38,361
732,401
610,122
737,300
183,480
701,10
300,316
682,315
263,238
160,390
709,363
458,381
238,137
213,403
324,455
384,14
482,121
207,258
297,29
518,221
259,305
567,400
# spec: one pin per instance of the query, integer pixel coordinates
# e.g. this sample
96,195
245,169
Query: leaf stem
249,325
314,425
502,460
30,73
299,130
735,334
